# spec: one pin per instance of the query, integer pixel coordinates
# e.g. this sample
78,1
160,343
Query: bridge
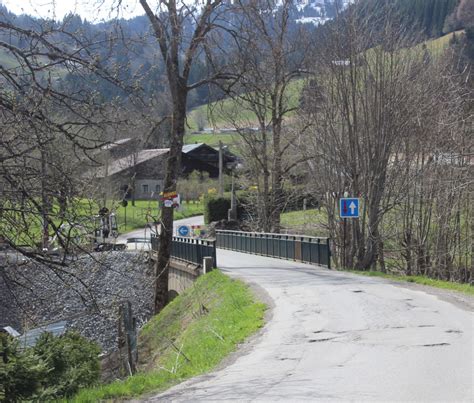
335,336
187,254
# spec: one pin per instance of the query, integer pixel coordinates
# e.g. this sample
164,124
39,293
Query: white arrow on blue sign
183,230
349,207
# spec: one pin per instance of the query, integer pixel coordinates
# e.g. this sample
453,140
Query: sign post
348,208
124,205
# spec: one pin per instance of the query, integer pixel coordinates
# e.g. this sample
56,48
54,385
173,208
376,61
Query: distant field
436,46
7,60
310,222
84,212
215,115
212,139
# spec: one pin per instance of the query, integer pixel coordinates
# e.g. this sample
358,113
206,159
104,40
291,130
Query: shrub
73,362
215,209
55,367
21,377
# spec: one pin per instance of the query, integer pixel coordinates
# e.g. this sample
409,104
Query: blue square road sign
349,207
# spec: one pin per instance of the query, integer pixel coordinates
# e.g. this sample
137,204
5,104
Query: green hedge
215,209
56,367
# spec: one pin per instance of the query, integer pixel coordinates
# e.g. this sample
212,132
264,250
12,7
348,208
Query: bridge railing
292,247
188,249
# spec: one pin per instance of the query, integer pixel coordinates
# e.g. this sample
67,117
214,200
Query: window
145,188
158,189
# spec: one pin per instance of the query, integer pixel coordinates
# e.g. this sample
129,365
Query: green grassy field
438,45
7,60
231,140
82,212
310,222
145,211
23,223
189,337
216,113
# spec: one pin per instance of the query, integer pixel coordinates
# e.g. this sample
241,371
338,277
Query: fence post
329,253
319,252
128,337
207,264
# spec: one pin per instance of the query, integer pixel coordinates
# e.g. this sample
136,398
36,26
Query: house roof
187,148
228,155
129,161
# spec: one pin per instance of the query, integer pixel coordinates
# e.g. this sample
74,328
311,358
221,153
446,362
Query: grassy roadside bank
189,337
313,222
446,285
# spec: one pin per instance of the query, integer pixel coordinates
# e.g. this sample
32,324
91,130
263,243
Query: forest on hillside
126,46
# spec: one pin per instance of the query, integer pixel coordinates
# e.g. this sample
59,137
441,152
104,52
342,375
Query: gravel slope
86,294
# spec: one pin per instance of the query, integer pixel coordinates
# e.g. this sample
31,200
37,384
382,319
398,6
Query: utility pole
232,213
221,168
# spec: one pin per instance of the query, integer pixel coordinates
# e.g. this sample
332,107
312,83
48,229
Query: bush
215,209
73,362
22,375
55,367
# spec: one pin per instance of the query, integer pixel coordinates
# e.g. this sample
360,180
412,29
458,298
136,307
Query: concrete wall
181,275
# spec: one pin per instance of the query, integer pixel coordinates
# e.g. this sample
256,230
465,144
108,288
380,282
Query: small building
140,175
209,155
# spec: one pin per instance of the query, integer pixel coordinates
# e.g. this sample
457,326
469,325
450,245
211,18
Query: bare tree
269,56
181,30
48,130
365,106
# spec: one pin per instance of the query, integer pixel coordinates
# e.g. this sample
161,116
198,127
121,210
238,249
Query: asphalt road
334,336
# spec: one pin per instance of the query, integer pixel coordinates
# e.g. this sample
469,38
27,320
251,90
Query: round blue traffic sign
183,230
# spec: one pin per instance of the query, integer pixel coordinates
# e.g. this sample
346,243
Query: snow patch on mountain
316,12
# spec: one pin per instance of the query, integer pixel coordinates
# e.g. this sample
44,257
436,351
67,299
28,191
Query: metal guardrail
189,250
138,243
292,247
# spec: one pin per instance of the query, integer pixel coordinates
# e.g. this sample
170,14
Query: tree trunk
45,203
277,191
172,172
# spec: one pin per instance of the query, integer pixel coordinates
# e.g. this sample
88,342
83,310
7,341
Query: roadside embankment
190,336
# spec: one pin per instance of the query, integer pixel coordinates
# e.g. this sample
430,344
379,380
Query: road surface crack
435,345
321,340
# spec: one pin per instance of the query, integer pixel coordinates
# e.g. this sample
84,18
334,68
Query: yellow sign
169,195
